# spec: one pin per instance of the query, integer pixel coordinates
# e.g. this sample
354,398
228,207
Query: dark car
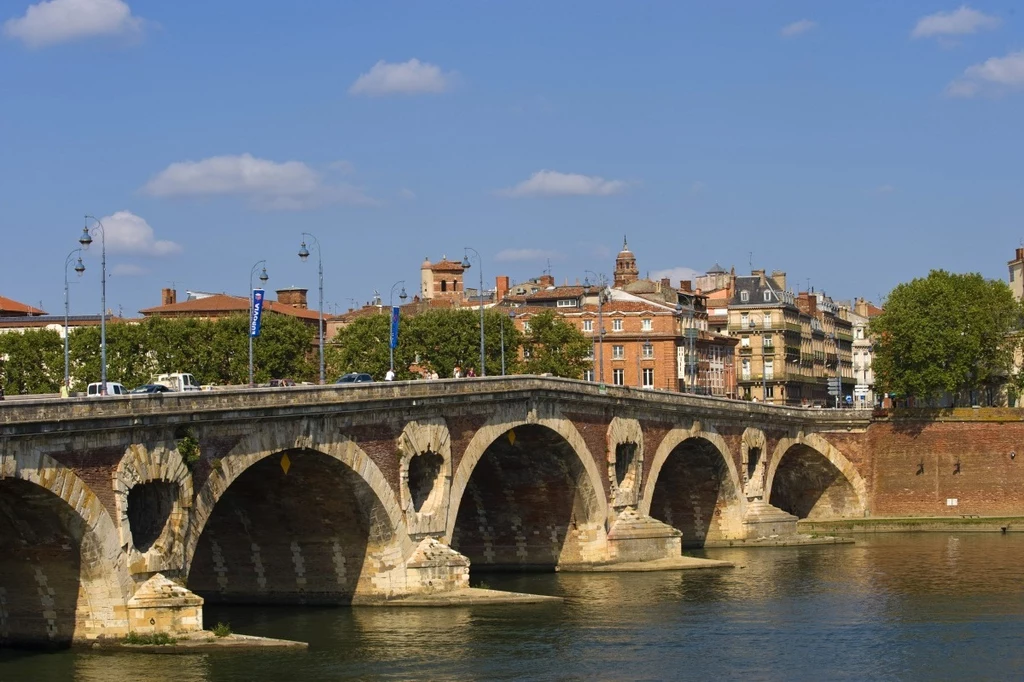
278,383
355,378
150,388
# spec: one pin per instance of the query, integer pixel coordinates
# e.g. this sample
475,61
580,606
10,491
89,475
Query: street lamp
480,264
263,280
391,307
303,255
79,269
85,240
599,279
511,316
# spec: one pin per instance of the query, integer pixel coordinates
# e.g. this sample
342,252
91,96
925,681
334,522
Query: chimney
296,298
1020,253
780,278
686,284
546,280
860,306
757,273
666,283
168,296
807,303
501,285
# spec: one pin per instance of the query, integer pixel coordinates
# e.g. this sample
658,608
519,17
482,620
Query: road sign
834,386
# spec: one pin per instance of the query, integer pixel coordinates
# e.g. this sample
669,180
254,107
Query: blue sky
853,145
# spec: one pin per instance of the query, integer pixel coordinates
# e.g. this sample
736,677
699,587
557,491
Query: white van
178,381
113,388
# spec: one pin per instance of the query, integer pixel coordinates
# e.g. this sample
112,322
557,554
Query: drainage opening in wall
424,469
624,456
149,507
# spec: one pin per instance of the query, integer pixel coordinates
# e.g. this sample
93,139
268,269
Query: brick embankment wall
914,467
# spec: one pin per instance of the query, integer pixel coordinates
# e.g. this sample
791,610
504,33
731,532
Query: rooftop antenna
750,259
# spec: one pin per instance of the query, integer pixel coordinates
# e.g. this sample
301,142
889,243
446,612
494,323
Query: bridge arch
527,494
693,486
810,478
62,573
299,516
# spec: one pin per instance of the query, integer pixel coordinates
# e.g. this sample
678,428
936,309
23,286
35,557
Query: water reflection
926,606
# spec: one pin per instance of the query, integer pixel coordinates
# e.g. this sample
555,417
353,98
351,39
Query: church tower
625,267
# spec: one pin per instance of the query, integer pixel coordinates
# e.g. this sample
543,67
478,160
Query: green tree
945,333
32,362
184,345
362,346
553,346
128,358
284,349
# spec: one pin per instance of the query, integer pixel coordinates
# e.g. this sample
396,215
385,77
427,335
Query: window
648,377
744,296
767,296
618,352
858,333
767,320
616,325
745,370
645,325
618,377
648,351
526,325
769,369
588,325
744,342
744,320
444,285
527,353
769,391
588,375
767,340
567,303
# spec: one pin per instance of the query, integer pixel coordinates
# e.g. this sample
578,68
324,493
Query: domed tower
625,266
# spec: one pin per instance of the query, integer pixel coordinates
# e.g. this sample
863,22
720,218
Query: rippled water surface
891,607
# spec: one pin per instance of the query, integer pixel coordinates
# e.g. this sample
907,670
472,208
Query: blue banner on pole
257,313
394,326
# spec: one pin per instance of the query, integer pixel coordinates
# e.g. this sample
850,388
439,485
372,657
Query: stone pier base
163,606
762,521
635,537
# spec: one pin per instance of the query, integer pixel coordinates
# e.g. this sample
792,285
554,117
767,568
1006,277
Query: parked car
150,388
94,389
355,378
277,383
178,381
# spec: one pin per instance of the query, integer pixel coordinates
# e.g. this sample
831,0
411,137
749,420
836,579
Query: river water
890,607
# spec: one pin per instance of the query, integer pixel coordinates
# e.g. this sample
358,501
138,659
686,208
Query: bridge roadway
116,512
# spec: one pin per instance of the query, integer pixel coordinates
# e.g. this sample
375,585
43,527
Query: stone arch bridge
110,508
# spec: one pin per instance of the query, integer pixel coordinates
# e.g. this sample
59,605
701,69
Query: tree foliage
435,340
556,347
945,333
216,352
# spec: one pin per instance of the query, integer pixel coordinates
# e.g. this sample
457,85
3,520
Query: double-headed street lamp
391,307
480,264
263,280
79,269
85,240
599,279
303,255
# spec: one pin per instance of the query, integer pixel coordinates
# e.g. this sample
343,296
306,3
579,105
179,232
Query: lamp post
263,280
599,359
480,264
85,240
303,255
511,316
79,269
391,306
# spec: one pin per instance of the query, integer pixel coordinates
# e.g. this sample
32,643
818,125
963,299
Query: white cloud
126,232
962,21
515,255
408,78
797,27
127,270
676,274
291,185
549,183
993,76
58,21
